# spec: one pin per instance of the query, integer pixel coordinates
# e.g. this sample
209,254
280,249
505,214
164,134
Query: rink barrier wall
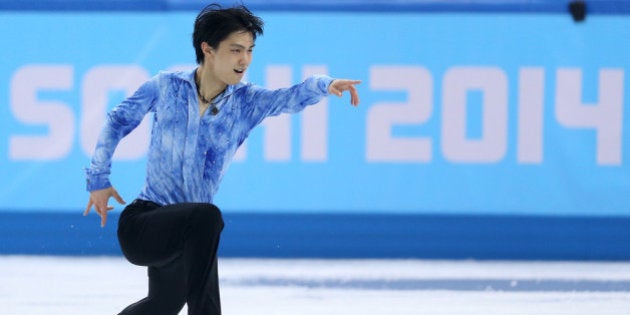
602,233
347,236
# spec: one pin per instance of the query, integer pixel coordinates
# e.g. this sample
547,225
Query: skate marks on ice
430,275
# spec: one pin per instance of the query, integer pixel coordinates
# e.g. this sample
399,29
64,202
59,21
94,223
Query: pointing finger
354,96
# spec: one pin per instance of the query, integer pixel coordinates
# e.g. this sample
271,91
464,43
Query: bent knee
209,216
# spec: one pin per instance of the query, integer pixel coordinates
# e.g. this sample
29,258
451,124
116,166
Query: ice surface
32,285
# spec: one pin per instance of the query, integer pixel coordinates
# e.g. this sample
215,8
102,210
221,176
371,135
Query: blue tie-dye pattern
189,154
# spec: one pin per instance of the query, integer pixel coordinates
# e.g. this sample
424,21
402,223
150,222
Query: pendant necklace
213,109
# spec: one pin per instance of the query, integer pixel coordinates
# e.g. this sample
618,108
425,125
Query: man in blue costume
200,118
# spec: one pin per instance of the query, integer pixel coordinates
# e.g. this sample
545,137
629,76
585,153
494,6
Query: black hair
214,24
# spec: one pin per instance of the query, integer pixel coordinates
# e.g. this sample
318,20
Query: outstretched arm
338,86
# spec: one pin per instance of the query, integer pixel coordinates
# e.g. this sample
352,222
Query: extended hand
99,199
338,86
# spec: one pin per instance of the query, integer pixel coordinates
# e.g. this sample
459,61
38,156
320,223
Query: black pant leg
167,291
179,244
200,256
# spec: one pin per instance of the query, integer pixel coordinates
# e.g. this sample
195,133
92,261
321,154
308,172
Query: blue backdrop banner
491,113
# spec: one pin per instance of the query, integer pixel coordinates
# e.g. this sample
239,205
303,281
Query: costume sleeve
119,122
293,99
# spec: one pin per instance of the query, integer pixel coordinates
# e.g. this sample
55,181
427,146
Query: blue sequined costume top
189,153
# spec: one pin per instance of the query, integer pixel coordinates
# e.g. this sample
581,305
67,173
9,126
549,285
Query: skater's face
228,62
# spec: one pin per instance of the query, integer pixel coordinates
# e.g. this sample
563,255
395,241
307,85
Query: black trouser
178,243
